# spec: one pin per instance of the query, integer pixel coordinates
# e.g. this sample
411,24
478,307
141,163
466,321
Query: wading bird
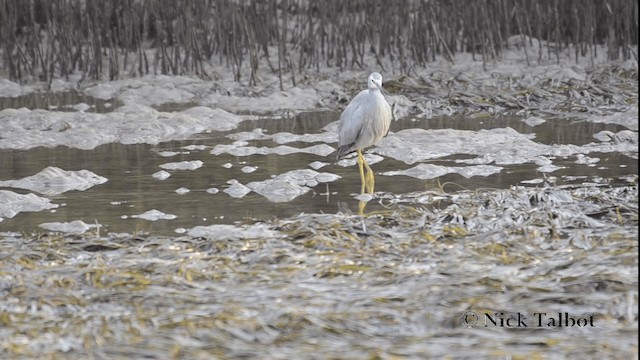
363,123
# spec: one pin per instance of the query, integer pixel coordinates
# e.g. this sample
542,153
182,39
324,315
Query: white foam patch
12,204
238,150
502,146
285,137
288,186
255,134
216,119
152,90
327,177
154,215
628,118
148,89
533,181
583,159
278,190
103,90
10,89
534,121
291,99
152,95
195,147
431,171
81,107
617,138
183,165
130,124
549,168
237,190
370,158
169,153
161,175
232,232
416,145
55,181
318,164
182,191
364,197
74,227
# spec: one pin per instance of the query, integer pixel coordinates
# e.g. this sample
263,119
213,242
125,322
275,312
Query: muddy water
60,101
131,189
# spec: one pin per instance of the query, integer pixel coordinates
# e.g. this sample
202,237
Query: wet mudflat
132,227
421,273
411,282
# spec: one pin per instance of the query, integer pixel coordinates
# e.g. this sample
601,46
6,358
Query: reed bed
44,39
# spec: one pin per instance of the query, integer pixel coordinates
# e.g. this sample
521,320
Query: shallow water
60,101
131,190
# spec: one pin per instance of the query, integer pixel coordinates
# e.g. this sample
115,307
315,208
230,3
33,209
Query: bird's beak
382,90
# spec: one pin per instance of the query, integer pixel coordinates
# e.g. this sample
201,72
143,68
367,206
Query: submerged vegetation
43,39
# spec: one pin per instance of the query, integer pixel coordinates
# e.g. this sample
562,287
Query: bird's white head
375,81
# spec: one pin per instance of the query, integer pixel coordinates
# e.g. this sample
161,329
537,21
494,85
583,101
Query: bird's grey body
366,119
363,123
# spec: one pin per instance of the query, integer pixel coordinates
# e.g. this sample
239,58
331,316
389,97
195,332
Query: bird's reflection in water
345,207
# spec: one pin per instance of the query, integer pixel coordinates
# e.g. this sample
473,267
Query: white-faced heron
363,123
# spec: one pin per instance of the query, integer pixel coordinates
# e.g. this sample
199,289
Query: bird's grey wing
351,120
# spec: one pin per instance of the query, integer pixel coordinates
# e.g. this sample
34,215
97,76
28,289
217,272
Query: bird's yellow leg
370,181
361,163
361,206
